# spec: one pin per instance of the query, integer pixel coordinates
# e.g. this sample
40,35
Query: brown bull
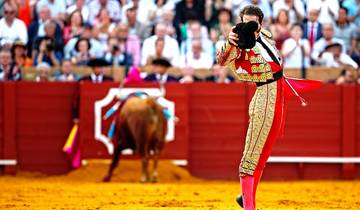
142,126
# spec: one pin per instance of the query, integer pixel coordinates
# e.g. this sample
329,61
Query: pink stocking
247,186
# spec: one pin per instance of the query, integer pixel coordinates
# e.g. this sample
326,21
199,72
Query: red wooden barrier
35,119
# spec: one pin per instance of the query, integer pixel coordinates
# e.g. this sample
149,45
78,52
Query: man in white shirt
329,9
328,38
197,58
12,28
171,47
112,6
333,57
57,8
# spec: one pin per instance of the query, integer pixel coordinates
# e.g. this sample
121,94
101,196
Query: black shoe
239,200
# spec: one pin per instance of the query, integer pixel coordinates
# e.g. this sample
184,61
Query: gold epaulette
266,33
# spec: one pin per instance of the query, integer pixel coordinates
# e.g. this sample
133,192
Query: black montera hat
97,62
246,34
161,62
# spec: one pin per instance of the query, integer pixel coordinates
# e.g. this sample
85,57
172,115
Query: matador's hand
233,37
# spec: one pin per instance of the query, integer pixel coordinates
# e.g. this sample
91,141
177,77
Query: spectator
171,47
144,11
171,29
75,26
103,26
136,27
159,48
80,5
96,50
129,44
343,29
328,38
115,56
354,51
221,29
66,73
8,71
159,8
197,58
46,53
112,6
329,9
188,75
25,11
334,57
195,32
160,67
353,6
43,72
346,77
280,29
184,7
220,75
82,55
97,75
296,50
57,8
295,9
11,28
37,29
18,52
312,27
56,43
212,11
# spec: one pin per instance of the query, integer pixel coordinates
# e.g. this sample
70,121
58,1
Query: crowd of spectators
61,34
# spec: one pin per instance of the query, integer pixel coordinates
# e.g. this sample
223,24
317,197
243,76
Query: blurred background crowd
67,34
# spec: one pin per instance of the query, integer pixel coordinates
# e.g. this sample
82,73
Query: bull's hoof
107,178
239,200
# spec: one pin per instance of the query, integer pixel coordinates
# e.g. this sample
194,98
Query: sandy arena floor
82,189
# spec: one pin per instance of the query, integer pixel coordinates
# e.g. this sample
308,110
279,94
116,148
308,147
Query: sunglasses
7,12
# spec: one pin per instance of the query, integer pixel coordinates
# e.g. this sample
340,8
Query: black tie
273,57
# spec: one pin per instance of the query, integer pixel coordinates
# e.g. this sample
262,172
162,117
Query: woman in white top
296,50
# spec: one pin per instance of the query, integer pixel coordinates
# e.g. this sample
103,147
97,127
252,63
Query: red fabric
25,13
311,36
300,85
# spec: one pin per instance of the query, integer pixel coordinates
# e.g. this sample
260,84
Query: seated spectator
46,53
75,26
354,51
115,56
66,73
57,8
221,29
294,8
346,77
195,32
353,6
159,48
43,72
197,58
185,7
160,67
18,52
188,75
80,5
296,50
82,52
136,27
212,11
172,29
56,43
129,44
265,7
312,28
97,75
220,75
103,26
171,47
334,57
8,71
160,7
12,28
329,9
113,6
280,29
144,11
343,29
327,39
96,49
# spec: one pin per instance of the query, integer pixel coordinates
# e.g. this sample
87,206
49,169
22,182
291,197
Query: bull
142,127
